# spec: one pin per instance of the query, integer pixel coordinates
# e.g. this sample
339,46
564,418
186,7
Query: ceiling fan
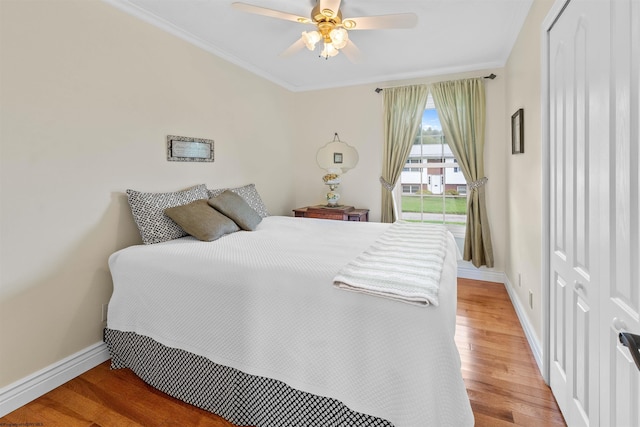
331,28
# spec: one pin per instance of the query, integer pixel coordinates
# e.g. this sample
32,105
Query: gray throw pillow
250,195
235,207
201,221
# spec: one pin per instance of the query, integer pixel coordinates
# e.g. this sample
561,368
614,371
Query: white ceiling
451,36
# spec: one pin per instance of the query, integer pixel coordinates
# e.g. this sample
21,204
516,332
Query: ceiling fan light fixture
310,39
339,37
331,29
328,51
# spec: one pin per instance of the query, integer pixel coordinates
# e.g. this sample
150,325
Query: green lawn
433,204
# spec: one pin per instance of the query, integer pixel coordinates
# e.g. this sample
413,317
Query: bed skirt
240,398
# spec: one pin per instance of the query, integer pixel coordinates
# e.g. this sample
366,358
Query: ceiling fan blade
352,52
399,20
329,5
245,7
294,48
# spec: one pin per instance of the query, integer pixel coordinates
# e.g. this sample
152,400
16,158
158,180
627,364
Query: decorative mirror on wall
336,157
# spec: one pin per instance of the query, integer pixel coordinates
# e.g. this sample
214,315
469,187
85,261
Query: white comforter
263,302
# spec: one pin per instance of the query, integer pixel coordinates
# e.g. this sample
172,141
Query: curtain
403,108
461,108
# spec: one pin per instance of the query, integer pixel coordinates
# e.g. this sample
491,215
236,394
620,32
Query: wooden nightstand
341,213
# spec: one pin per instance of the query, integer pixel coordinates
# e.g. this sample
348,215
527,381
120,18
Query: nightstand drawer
341,213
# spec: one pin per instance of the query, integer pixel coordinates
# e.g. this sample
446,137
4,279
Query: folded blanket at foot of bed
404,263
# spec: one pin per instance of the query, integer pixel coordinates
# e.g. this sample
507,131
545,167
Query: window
410,169
433,186
410,189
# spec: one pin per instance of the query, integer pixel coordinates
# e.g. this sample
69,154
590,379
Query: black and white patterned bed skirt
242,399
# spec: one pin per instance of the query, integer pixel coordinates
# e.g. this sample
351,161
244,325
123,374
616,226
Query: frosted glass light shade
310,39
339,37
328,51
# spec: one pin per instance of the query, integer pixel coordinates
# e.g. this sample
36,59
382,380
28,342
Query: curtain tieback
386,184
479,183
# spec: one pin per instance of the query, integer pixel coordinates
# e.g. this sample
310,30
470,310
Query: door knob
632,342
619,325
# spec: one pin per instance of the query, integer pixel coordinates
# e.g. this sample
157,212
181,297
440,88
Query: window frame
458,230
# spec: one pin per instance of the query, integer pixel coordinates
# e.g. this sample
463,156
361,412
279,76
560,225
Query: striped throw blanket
404,263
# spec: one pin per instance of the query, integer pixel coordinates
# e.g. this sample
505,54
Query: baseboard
35,385
529,333
466,270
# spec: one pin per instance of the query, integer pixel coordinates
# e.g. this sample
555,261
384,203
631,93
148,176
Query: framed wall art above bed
187,149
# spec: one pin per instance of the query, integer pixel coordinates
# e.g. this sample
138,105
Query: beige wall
87,97
524,180
356,113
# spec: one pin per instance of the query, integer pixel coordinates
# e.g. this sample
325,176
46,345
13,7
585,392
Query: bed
252,327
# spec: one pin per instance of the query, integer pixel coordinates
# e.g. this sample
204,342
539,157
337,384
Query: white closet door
578,121
620,378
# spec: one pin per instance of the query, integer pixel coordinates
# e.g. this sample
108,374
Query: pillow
148,212
201,221
249,194
234,206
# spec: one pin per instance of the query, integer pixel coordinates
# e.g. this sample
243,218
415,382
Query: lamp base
332,197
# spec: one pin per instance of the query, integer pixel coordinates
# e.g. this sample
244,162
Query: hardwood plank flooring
502,379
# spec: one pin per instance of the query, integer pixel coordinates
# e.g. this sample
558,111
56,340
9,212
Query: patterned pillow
249,194
148,212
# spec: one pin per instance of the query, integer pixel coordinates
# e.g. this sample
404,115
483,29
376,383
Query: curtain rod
490,76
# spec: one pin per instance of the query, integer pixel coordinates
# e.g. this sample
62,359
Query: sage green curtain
461,108
403,108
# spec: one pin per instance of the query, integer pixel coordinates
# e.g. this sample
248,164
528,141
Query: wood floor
502,379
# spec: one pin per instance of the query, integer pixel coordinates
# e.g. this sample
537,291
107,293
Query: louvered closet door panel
621,297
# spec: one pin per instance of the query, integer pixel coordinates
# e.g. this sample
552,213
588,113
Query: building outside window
433,188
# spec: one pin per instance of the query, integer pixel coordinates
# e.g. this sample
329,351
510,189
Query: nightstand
340,213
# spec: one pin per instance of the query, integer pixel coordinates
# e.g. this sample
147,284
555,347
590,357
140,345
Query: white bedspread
404,263
263,302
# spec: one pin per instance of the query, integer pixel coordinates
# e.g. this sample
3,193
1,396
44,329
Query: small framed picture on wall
517,132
